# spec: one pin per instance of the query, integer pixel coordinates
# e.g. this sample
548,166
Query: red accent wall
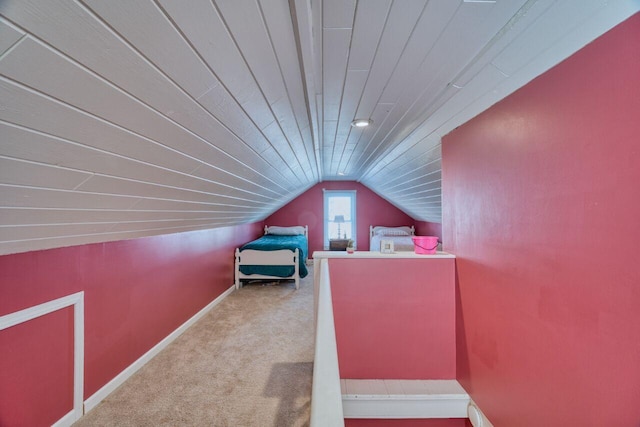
542,209
394,318
136,293
308,209
424,228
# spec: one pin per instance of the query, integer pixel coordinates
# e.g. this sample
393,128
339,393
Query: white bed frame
278,257
371,227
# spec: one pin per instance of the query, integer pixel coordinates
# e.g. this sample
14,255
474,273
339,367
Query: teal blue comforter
272,242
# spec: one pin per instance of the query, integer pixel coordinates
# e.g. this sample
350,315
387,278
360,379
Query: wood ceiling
122,119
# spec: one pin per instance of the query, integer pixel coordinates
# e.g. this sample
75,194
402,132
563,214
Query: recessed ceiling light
361,123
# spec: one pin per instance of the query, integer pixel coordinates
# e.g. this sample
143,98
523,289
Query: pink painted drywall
542,208
394,318
424,228
136,293
307,209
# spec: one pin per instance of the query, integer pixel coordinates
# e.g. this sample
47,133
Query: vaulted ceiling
124,118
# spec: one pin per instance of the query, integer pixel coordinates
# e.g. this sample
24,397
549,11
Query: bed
400,236
280,254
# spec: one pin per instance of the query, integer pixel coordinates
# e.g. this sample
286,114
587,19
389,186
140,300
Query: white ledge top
372,254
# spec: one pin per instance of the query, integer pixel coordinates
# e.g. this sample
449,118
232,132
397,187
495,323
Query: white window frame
339,193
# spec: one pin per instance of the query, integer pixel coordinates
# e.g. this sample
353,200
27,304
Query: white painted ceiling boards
129,118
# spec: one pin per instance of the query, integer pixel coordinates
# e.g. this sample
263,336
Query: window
339,215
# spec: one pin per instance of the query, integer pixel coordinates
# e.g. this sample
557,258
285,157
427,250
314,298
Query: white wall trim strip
77,301
476,416
326,401
397,399
108,388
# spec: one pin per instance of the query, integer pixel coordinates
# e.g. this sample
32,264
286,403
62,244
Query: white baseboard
477,417
108,388
67,420
396,399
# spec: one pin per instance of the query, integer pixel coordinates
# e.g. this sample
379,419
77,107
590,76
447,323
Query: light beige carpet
248,362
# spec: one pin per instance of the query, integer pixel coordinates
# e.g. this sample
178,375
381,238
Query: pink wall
136,293
542,209
307,209
394,318
424,228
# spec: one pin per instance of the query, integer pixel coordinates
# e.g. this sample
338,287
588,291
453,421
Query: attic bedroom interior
144,145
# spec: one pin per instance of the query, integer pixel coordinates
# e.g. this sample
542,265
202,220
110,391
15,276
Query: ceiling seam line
125,42
221,83
128,196
424,8
108,123
286,89
233,39
386,19
293,13
88,147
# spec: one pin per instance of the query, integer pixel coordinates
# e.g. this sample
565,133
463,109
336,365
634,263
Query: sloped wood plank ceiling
123,118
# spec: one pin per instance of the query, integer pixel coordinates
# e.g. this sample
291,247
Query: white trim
12,319
397,399
280,257
476,416
352,195
101,394
376,254
77,301
326,402
67,420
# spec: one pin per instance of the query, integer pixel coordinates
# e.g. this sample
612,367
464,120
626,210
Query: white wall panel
9,35
363,149
25,144
434,20
550,26
278,20
355,81
20,172
338,13
16,196
437,68
75,31
147,225
225,59
123,66
136,21
126,119
112,185
81,239
27,232
183,205
398,28
51,117
367,29
258,52
334,60
34,216
222,105
70,84
422,159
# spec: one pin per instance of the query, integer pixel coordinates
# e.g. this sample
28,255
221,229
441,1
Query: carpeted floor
248,362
